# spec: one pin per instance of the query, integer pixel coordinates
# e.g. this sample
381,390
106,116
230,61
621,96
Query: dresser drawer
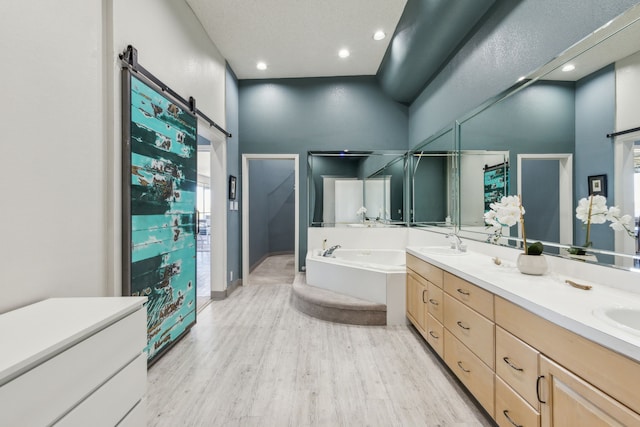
57,385
474,330
113,400
435,335
473,296
435,302
137,417
517,365
426,270
512,410
473,373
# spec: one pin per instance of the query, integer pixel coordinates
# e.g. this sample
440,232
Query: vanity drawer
435,302
435,335
474,374
513,410
473,296
474,330
426,270
517,365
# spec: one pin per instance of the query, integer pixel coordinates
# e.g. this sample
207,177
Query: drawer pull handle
506,414
463,292
434,302
461,367
423,291
538,389
459,323
434,335
508,362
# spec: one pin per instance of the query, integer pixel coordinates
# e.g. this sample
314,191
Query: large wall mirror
549,140
356,188
434,181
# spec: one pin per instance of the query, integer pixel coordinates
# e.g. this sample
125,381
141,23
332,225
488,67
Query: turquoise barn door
159,202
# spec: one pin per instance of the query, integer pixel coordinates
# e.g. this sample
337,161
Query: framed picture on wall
232,187
598,185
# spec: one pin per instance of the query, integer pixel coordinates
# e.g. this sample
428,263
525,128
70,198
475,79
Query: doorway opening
269,218
627,196
549,213
211,236
203,224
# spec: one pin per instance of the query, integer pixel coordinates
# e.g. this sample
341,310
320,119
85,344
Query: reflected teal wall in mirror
431,189
433,180
595,117
516,38
537,119
335,166
365,166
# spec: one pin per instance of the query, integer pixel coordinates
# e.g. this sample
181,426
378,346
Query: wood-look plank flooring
275,269
254,360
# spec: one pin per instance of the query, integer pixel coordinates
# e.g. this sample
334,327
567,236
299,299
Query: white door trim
623,194
218,185
565,161
245,207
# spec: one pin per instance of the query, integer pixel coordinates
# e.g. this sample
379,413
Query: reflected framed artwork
598,185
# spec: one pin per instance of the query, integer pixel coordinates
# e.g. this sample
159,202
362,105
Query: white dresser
74,362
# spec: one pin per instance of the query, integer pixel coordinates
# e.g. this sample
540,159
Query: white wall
60,132
52,150
627,92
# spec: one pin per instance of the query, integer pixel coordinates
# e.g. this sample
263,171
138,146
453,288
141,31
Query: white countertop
549,297
32,334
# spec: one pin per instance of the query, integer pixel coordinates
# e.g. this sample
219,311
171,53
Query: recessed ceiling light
379,35
520,79
344,53
568,67
261,66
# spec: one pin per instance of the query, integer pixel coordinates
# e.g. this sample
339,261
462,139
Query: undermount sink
626,318
440,250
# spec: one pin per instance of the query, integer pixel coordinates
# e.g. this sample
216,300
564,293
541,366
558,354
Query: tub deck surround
374,275
549,297
335,307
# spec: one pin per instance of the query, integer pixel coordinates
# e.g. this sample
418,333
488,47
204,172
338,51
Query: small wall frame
598,185
232,187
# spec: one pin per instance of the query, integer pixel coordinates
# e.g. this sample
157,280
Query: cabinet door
571,401
416,301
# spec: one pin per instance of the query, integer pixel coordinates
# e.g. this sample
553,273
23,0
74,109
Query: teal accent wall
294,116
234,220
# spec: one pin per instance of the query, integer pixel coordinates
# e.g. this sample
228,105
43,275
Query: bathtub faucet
457,243
329,251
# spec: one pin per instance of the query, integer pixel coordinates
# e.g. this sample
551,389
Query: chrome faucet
457,243
329,251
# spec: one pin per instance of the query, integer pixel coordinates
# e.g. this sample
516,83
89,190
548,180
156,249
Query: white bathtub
376,275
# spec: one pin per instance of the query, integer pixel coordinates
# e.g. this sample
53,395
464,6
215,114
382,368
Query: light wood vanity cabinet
580,382
524,370
424,301
416,301
470,337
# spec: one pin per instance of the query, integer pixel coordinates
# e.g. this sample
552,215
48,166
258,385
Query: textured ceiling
299,38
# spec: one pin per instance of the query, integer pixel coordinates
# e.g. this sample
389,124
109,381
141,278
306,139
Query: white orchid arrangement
362,211
506,213
594,210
